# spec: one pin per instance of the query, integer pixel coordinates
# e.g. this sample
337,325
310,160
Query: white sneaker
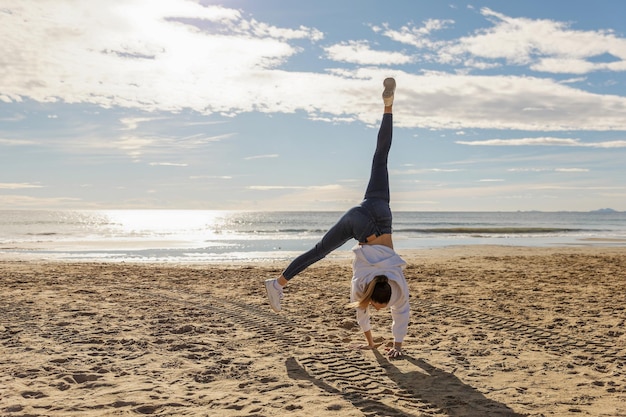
274,293
390,88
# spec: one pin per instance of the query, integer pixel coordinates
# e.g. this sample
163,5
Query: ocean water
189,236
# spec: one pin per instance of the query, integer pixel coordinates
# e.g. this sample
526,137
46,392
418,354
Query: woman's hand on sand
394,352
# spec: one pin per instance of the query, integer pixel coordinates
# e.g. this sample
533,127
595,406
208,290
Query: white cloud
168,164
18,186
249,158
541,44
202,139
173,55
17,142
275,187
17,117
136,145
544,45
573,80
23,201
360,52
415,36
545,141
290,187
321,197
132,123
164,55
210,177
132,143
571,170
439,100
423,171
530,169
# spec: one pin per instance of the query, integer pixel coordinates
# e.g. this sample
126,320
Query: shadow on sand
441,391
362,401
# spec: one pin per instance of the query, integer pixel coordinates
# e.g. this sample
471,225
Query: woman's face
378,306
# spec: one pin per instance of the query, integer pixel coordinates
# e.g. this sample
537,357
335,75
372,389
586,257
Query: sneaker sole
390,87
267,292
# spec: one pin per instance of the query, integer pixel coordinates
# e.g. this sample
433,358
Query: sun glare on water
164,222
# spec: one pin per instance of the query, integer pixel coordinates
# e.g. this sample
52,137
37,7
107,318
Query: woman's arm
401,315
370,342
400,320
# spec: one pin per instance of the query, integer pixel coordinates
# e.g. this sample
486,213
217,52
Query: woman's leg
335,237
378,186
348,225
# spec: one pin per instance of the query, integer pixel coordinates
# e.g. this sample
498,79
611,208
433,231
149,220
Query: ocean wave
492,230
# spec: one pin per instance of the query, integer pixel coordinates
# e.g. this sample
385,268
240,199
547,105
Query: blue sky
275,105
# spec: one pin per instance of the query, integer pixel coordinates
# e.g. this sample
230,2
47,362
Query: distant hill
603,210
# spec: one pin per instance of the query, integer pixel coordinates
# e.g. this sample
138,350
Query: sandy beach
495,331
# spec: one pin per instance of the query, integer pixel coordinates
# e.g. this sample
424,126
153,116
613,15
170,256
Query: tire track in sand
338,370
597,354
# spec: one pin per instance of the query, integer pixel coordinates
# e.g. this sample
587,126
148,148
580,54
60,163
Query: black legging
371,217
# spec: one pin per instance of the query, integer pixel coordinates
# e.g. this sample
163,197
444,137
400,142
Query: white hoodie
370,261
